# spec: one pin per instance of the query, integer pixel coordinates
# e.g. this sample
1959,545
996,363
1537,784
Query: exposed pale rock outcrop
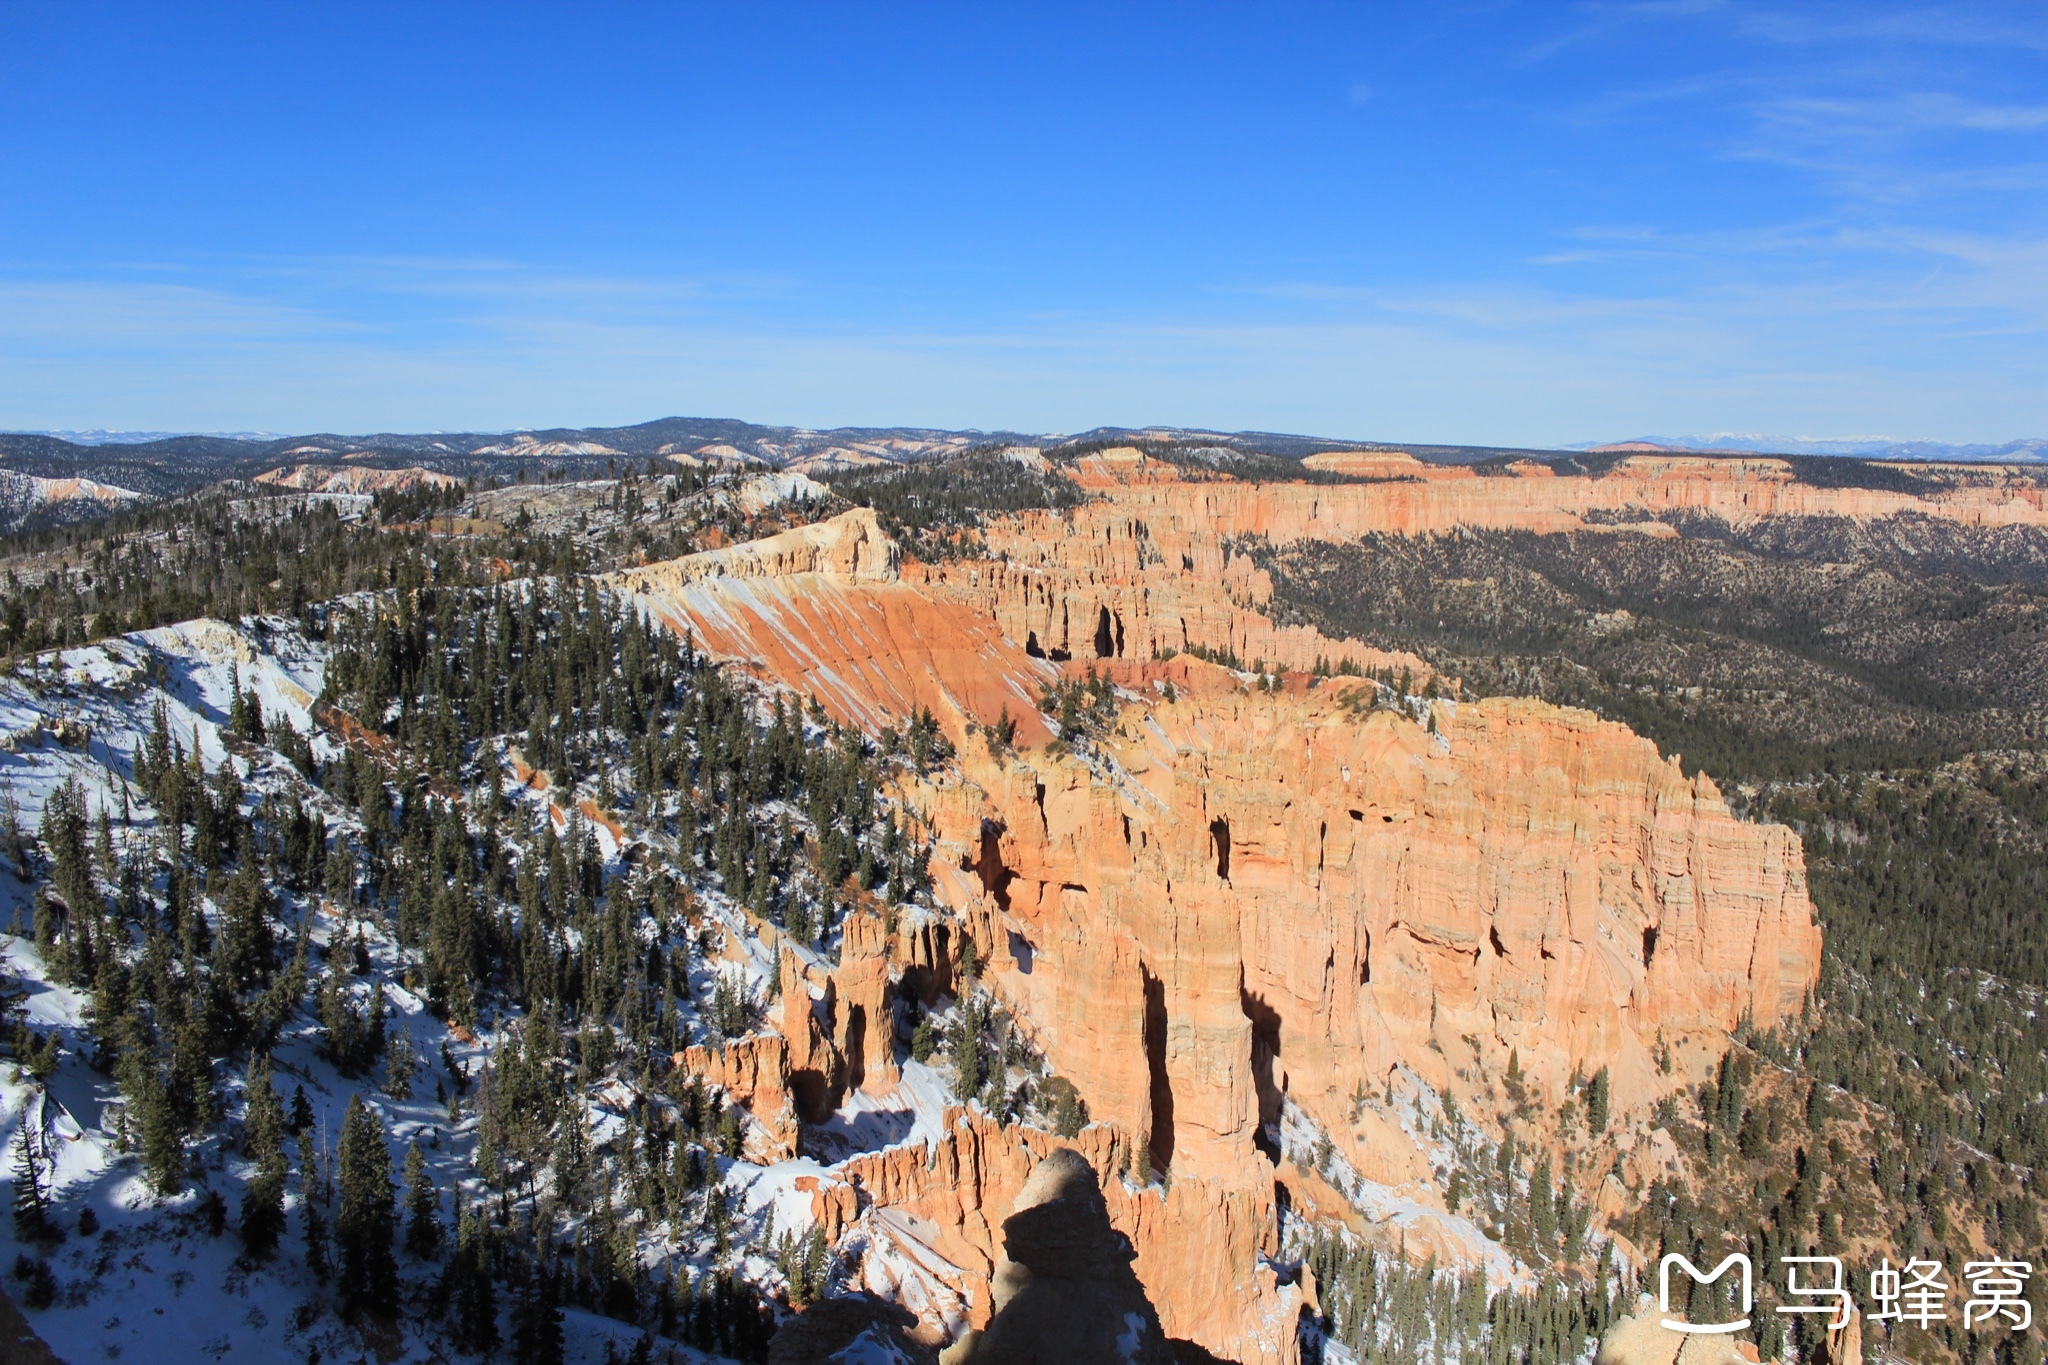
331,478
753,1072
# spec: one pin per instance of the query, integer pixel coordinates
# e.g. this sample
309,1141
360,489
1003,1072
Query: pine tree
718,1219
162,1136
31,1206
814,1268
1542,1208
399,1065
471,1288
1598,1093
192,1053
364,1223
537,1322
109,1011
315,1227
263,1201
248,948
423,1230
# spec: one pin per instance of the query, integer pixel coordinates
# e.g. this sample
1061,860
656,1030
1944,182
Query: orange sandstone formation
755,1073
1272,897
825,1044
1244,906
1198,1248
1147,569
822,608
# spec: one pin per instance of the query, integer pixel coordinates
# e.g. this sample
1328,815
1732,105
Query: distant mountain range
76,475
162,465
1863,447
101,437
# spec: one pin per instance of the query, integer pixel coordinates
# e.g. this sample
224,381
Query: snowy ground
151,1282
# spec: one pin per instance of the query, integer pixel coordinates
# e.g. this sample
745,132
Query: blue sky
1492,222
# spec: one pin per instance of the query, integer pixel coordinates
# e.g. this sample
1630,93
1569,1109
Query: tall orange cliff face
1254,900
1267,898
1104,584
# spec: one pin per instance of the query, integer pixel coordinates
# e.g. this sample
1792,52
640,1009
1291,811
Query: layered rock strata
1240,906
1197,1248
1252,897
1150,566
823,609
834,1032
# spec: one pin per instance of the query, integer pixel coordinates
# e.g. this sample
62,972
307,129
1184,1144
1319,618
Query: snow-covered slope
28,500
138,1273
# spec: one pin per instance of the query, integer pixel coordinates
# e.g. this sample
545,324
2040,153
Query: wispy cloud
1510,363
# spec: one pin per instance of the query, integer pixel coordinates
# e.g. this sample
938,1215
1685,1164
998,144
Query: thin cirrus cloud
70,313
1508,365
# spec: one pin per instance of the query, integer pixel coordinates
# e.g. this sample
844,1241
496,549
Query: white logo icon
1704,1277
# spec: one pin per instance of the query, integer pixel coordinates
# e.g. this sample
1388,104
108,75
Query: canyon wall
1239,907
1148,568
1277,895
1197,1245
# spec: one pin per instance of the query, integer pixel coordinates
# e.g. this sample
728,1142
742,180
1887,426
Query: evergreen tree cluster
932,508
587,689
181,903
1384,1308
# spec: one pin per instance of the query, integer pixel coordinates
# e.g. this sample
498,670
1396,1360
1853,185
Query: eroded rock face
1148,567
1270,898
1114,583
851,547
1195,1245
865,1021
1250,902
822,609
829,1039
1064,1288
1281,899
753,1072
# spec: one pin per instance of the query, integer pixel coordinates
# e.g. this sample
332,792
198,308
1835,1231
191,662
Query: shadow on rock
1064,1290
859,1329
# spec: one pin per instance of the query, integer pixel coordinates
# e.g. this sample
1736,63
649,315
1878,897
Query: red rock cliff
1246,898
